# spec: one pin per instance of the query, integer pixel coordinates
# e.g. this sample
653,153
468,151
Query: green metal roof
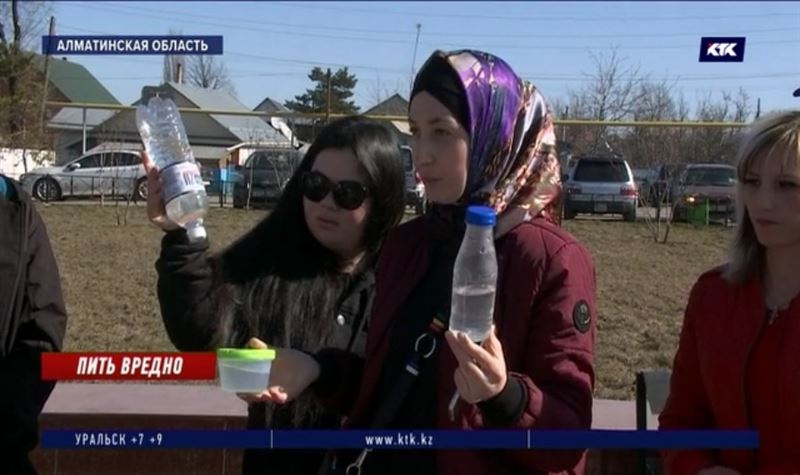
75,82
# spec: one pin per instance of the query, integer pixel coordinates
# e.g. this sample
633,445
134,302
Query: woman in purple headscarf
481,135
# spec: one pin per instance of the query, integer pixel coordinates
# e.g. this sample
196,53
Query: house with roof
217,139
72,82
303,129
287,125
396,105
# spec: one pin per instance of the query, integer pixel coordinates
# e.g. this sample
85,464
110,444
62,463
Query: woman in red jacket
483,136
738,361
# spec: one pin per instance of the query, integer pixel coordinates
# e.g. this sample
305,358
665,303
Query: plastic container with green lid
244,370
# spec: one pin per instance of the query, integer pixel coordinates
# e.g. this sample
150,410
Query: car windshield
605,171
711,176
270,161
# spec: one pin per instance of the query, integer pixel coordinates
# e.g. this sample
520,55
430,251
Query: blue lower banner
397,439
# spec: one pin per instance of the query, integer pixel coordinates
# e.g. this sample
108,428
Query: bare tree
716,144
208,72
650,146
26,21
611,94
21,80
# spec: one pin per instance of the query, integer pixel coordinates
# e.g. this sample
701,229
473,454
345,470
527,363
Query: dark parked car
714,184
260,181
415,189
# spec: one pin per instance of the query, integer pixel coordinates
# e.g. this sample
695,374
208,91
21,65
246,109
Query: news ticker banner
394,439
129,366
131,44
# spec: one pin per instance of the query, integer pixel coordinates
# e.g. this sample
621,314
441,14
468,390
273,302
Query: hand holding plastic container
475,276
165,141
244,370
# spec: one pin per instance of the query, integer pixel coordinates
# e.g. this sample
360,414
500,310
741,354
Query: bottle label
180,178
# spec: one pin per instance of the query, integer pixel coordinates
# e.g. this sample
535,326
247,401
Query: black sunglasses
347,194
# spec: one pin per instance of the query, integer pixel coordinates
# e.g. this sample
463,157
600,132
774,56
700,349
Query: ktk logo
722,50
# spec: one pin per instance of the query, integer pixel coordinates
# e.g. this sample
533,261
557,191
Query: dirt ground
109,281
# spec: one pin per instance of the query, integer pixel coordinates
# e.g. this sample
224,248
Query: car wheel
680,215
46,189
140,191
569,214
630,216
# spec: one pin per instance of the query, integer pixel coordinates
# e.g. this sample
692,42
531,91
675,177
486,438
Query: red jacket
545,277
721,326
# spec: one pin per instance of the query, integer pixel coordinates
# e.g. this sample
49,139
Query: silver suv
600,184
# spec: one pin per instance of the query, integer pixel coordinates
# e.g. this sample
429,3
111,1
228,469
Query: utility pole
328,102
758,108
414,61
47,75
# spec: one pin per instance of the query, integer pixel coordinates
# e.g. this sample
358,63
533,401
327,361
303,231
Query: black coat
198,301
33,319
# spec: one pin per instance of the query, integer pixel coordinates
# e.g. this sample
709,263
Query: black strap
425,346
365,301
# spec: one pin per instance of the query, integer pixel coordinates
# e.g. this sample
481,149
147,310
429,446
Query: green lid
245,354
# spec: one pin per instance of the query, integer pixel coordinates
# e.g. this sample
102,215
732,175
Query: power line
533,77
529,18
218,24
316,63
442,34
262,22
536,47
539,47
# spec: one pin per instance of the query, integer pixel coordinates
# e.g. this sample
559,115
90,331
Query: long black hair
285,284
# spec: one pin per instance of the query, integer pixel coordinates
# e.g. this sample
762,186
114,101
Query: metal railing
55,186
84,106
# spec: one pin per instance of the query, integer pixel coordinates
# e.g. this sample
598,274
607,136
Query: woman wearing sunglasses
481,135
302,278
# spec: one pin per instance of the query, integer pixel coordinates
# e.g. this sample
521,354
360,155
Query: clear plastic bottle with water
475,276
165,141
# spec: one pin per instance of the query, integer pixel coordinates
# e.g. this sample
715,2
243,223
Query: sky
269,47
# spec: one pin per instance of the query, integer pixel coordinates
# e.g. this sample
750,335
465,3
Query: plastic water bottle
475,276
166,143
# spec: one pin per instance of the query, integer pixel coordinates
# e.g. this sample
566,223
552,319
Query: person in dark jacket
750,379
33,320
302,278
482,136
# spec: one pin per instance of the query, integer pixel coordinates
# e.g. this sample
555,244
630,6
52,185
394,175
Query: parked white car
107,172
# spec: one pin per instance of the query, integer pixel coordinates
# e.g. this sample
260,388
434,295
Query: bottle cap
196,233
481,216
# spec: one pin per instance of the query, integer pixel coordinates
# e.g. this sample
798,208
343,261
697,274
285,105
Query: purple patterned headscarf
513,163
